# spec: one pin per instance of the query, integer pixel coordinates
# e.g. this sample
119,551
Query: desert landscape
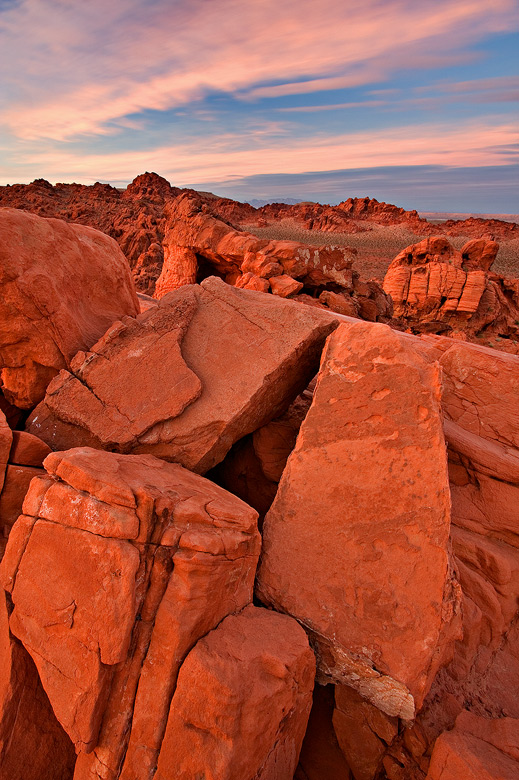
259,390
259,492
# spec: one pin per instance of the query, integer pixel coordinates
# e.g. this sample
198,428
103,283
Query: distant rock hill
136,217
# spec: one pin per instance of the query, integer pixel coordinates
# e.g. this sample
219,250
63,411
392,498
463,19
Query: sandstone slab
361,520
187,379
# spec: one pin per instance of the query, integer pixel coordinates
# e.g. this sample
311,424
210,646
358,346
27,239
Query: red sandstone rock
242,702
363,732
253,467
6,439
183,405
284,286
432,284
349,495
249,281
61,287
118,566
321,757
21,459
33,746
477,749
192,227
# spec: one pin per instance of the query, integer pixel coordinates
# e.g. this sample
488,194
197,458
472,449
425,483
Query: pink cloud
218,160
78,67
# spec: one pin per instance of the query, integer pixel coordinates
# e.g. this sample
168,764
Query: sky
414,102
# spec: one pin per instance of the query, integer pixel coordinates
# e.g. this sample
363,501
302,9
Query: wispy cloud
468,144
82,68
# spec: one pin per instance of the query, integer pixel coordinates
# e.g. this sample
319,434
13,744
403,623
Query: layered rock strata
435,287
117,567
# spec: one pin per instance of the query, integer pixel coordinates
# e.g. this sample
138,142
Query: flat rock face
61,287
117,567
242,702
361,521
33,746
477,749
188,378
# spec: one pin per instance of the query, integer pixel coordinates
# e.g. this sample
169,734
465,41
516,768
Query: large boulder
361,521
62,285
186,379
117,567
242,702
435,287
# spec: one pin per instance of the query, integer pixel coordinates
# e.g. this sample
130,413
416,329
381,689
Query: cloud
80,68
223,158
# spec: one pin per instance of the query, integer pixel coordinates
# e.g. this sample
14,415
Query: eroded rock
187,379
366,491
117,567
242,702
62,285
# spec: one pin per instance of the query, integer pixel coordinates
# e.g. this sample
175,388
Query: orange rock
242,702
435,286
33,746
182,406
477,749
352,477
62,286
321,757
284,286
6,439
363,732
118,566
180,267
248,281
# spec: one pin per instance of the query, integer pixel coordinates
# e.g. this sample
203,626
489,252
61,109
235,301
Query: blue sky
412,103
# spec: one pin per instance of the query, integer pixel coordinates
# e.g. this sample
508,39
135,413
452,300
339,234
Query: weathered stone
242,702
62,286
361,521
33,746
477,749
161,383
118,566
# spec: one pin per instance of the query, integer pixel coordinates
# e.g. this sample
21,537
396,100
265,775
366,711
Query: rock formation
193,392
242,701
388,486
61,287
352,482
436,288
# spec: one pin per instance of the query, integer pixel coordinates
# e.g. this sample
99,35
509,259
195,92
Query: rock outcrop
207,366
61,287
436,288
365,486
117,567
198,243
242,702
21,459
33,746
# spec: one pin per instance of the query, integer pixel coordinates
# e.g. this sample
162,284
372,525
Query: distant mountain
257,203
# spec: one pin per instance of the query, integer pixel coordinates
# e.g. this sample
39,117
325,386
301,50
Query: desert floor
378,246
